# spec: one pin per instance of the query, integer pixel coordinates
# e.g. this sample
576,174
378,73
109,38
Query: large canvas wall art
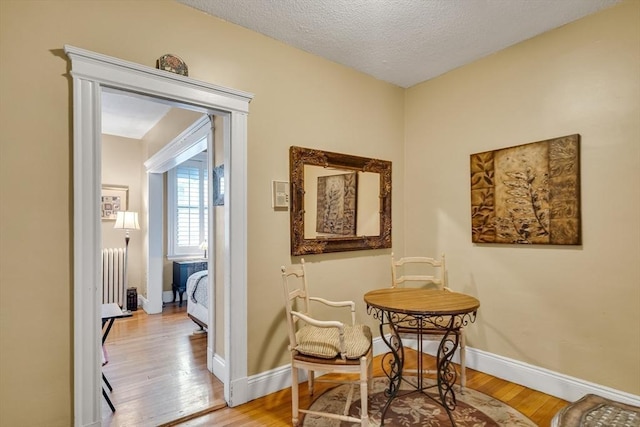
337,201
527,194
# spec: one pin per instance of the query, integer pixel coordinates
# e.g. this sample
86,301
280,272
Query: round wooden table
421,310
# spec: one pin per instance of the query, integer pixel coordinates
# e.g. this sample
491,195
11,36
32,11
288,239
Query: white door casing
91,72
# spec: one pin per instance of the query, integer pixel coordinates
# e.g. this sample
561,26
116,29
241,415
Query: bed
198,298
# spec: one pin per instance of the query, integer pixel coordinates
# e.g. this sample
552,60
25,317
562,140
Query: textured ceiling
403,42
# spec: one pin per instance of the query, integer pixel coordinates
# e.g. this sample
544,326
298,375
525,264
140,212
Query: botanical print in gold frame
337,201
527,194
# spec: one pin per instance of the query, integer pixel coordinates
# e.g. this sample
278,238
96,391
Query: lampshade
204,245
127,220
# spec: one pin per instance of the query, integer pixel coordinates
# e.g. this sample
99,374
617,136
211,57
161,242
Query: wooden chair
425,271
328,346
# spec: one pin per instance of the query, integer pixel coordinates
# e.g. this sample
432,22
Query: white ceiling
403,42
130,116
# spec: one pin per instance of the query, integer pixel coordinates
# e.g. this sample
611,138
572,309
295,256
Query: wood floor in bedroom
158,370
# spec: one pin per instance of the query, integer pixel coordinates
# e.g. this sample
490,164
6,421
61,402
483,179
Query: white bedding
198,297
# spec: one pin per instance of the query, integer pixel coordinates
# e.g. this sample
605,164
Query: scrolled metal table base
393,361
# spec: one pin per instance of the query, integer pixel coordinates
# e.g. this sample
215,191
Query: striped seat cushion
325,342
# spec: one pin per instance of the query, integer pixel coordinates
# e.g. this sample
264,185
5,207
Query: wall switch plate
280,194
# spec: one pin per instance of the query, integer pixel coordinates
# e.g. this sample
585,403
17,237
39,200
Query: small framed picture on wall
218,185
114,198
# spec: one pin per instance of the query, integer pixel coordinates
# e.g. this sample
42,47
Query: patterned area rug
596,411
473,409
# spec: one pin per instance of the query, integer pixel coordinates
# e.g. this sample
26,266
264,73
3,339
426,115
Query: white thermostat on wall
280,194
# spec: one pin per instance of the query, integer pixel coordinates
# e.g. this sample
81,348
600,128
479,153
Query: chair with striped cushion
328,346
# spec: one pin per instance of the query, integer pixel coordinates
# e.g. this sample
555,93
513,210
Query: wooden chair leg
311,381
370,376
294,396
365,368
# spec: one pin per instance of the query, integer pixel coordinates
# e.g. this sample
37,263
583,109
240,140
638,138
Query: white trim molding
541,379
216,365
91,73
190,142
533,377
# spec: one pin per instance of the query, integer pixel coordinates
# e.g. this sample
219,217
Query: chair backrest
419,271
296,296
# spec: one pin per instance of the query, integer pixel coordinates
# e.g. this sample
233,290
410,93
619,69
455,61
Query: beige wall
122,165
572,309
552,307
299,99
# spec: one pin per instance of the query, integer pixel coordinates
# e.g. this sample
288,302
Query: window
187,208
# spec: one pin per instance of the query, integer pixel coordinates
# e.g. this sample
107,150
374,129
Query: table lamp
204,246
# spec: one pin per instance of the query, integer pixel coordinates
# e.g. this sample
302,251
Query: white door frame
91,72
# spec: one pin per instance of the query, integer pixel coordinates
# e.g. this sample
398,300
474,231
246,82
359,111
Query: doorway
90,73
144,142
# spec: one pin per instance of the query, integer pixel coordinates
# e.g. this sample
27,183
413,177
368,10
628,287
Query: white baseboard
269,382
541,379
167,296
216,365
239,390
143,302
536,378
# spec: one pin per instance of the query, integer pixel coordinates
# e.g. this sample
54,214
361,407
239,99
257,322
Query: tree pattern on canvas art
528,194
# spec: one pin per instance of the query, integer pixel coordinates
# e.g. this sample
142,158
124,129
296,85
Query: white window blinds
187,208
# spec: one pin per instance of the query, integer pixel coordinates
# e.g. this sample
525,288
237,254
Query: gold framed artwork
114,198
366,183
527,194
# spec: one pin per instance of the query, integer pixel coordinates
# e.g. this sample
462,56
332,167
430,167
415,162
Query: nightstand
181,272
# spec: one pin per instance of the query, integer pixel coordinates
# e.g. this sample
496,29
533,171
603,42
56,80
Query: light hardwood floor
275,409
158,370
